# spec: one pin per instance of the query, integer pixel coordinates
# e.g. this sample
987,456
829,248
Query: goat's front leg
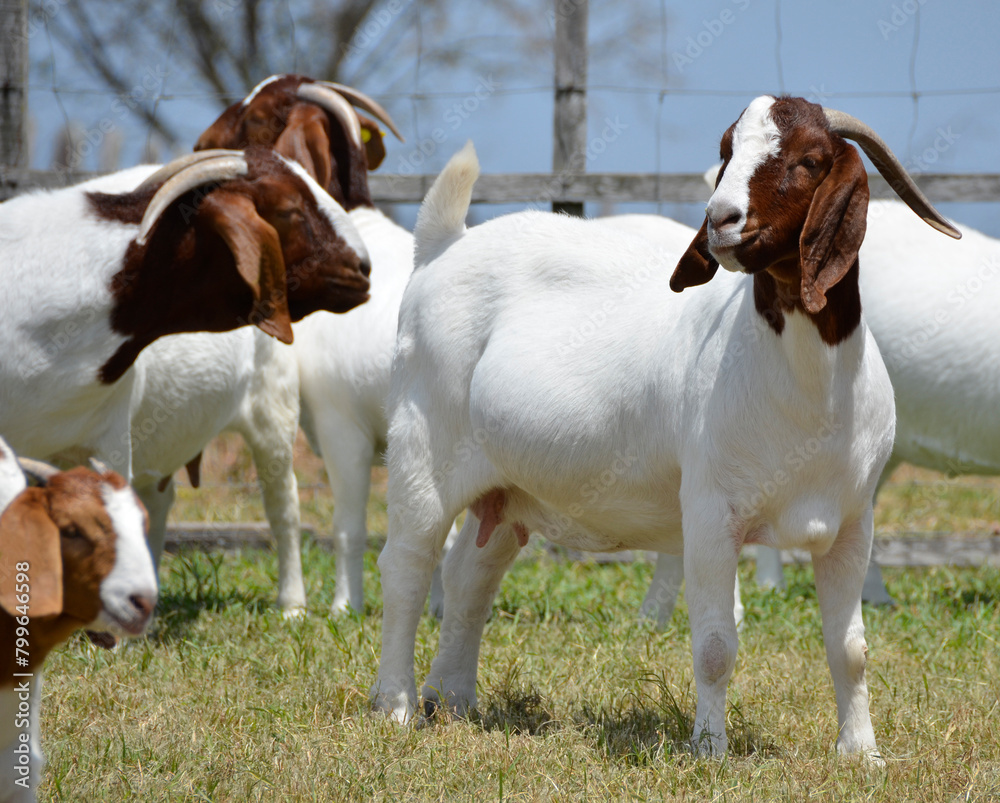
158,504
471,576
711,558
839,578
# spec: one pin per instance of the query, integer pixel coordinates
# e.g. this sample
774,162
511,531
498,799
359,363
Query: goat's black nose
722,215
365,266
144,603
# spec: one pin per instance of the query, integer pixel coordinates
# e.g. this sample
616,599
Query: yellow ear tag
366,135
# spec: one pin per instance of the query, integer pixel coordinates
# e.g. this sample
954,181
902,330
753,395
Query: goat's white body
55,327
548,357
932,305
344,363
191,387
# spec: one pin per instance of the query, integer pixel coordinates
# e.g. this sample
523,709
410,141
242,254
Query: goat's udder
489,508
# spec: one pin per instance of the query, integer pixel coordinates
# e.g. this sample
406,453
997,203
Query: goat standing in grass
663,425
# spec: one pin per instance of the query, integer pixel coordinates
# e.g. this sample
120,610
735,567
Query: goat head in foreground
790,207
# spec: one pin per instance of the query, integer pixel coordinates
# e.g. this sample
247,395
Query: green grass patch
228,701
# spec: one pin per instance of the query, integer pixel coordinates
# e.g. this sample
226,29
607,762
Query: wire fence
100,131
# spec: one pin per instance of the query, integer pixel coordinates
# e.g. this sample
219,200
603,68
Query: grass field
227,701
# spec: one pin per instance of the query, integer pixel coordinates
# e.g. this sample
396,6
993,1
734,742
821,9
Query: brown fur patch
805,223
73,503
276,117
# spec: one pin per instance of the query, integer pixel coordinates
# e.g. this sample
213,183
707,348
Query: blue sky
708,62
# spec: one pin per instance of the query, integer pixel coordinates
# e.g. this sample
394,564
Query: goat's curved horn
37,470
99,466
194,175
890,167
337,105
171,169
362,101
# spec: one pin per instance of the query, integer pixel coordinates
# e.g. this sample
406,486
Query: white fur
344,363
547,356
133,575
12,480
755,139
190,388
54,323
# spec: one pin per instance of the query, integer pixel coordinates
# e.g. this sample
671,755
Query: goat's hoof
293,613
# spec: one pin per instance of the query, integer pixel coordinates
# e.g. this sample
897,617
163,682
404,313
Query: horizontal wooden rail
543,188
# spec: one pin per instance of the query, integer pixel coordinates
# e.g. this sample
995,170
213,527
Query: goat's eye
809,162
72,532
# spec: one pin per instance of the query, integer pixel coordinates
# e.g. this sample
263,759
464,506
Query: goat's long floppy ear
28,535
224,132
697,265
256,248
371,135
306,140
834,228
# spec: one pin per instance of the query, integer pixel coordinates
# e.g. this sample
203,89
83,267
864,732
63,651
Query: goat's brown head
73,554
314,123
790,207
228,239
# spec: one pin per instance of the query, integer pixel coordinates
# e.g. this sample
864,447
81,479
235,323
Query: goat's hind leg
471,576
839,578
413,548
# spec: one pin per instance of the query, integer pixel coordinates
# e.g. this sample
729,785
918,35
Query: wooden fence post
569,143
13,84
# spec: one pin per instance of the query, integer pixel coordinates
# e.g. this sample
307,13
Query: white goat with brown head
73,555
691,401
95,273
338,366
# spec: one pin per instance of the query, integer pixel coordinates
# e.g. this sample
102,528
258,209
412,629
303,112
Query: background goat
92,278
73,555
339,365
691,402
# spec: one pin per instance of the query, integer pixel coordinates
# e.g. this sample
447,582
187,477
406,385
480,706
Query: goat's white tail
441,218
